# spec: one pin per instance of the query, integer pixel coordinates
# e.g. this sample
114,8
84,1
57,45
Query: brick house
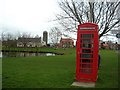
66,43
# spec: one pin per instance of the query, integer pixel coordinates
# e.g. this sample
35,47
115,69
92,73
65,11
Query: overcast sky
31,16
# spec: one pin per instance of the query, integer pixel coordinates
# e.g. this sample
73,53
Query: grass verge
55,71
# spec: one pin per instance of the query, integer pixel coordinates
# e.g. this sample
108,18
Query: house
109,45
66,43
29,42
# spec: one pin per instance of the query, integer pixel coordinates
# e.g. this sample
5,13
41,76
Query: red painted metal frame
83,64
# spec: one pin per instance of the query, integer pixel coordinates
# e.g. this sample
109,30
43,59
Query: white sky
31,16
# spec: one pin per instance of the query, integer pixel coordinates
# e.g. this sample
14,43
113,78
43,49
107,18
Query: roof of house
29,39
66,39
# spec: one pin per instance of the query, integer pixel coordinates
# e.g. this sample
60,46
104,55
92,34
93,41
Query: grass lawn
55,71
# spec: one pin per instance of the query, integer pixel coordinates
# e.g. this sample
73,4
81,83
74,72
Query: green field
55,71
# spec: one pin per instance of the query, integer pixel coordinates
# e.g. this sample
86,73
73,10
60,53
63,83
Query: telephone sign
87,52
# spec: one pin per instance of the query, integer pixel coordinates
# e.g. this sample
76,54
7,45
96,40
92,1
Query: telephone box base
84,84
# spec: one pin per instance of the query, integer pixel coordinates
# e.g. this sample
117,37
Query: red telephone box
87,52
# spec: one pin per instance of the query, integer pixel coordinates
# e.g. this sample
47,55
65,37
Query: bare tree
55,35
77,12
25,35
2,36
8,39
9,36
5,36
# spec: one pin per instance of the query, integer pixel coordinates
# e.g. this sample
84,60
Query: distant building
45,37
66,43
108,45
29,42
9,43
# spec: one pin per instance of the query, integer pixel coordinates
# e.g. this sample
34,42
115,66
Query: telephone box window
87,36
86,61
86,66
87,45
86,41
86,56
87,51
86,71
